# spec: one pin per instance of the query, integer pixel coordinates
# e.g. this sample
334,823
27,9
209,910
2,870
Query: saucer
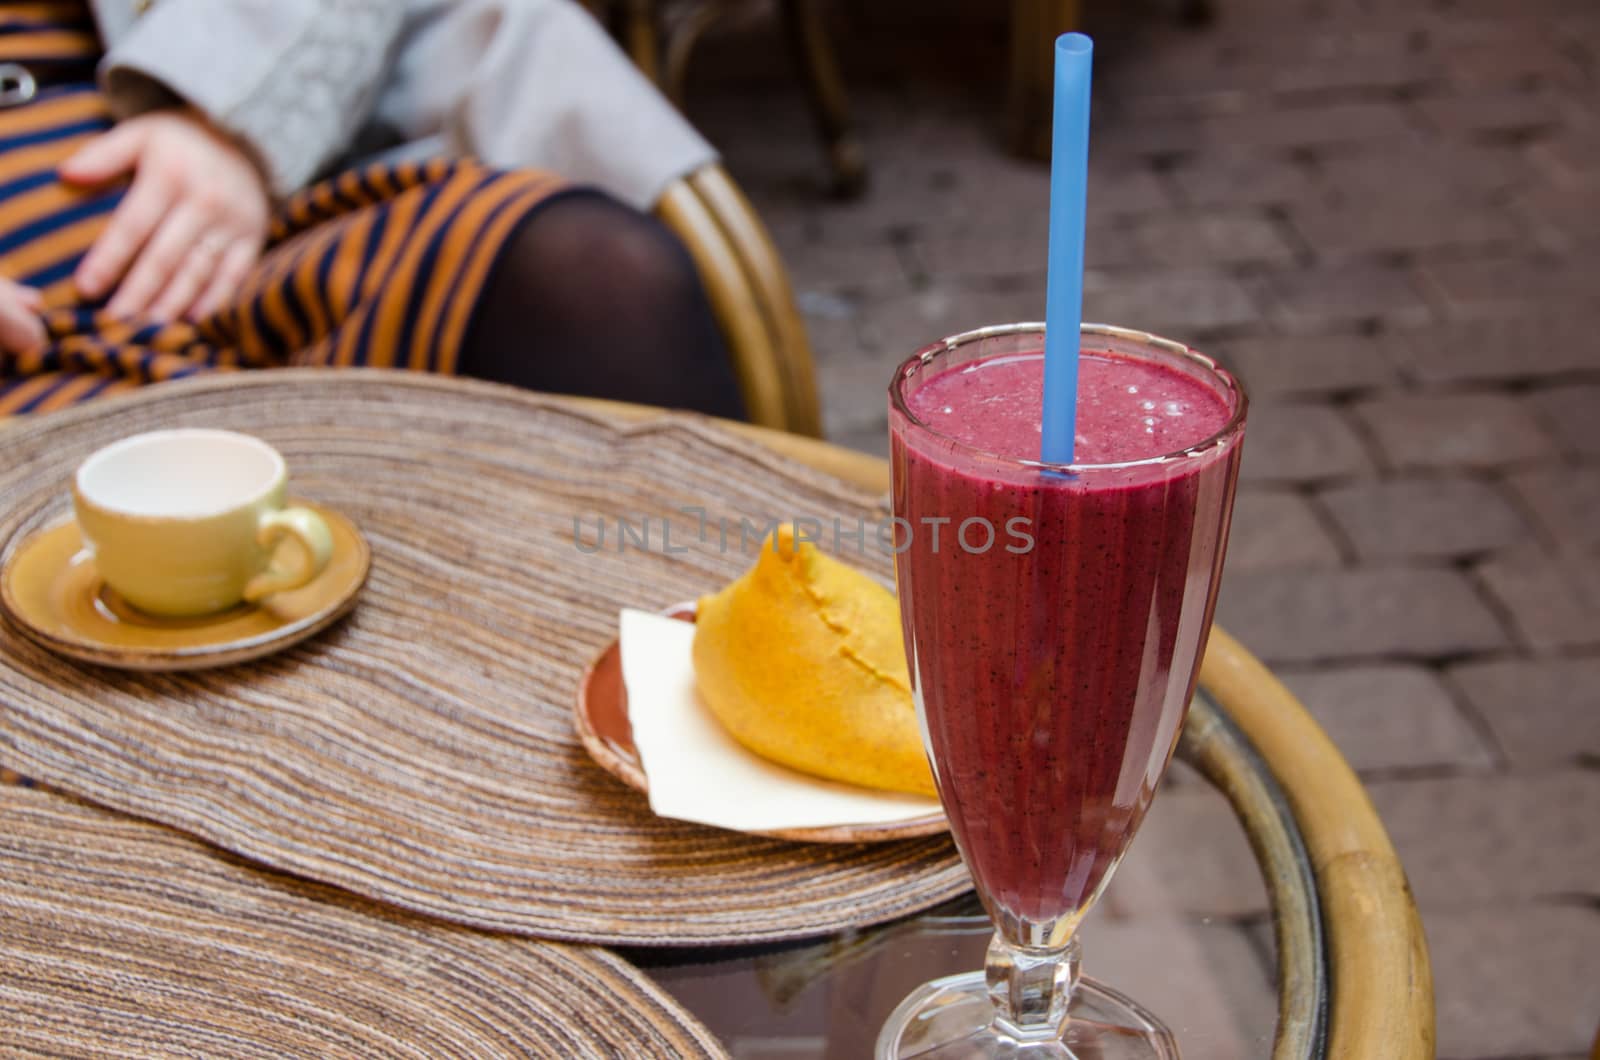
601,717
49,587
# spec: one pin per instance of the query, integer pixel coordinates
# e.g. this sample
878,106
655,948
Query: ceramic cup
188,522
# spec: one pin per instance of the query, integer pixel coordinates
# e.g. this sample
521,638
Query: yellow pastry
802,660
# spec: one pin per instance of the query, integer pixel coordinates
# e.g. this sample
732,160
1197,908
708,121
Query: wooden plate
601,716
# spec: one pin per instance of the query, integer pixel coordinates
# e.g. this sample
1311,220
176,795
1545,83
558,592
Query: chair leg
825,90
1035,25
641,37
682,34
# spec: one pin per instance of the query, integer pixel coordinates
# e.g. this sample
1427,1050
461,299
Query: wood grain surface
421,751
126,939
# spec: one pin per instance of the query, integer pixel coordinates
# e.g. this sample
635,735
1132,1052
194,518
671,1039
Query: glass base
952,1019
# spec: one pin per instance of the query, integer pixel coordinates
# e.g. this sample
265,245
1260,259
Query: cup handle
310,530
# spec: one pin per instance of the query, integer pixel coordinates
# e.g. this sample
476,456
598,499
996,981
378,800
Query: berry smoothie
1053,668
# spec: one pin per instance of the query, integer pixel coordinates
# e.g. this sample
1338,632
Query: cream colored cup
188,522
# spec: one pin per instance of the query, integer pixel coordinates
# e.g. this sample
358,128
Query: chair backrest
751,297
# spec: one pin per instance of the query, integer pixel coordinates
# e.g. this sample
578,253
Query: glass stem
1031,988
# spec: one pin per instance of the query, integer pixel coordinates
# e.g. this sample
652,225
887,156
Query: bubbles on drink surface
1132,421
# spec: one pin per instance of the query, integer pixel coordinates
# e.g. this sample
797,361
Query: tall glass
1052,671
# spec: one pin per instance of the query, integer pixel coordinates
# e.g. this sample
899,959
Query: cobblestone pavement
1385,215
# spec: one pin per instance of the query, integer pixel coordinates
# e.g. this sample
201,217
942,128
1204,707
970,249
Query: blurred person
401,183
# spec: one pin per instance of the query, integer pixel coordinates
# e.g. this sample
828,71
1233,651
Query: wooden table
1353,966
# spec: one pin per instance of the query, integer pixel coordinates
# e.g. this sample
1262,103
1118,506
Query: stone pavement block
987,255
1565,498
1307,364
1496,349
975,197
1190,857
875,268
1423,171
981,183
1384,33
1501,838
831,322
903,324
1519,981
1155,137
1491,66
1186,299
1301,616
1204,981
869,438
853,390
1454,430
1224,120
1580,23
974,190
1541,713
1124,188
1424,517
1569,160
1501,286
1389,716
1491,112
1211,238
947,258
1108,245
797,218
1295,442
1291,126
1562,219
1511,26
1367,228
1553,600
1544,9
1277,529
1326,297
1571,412
1168,68
1271,14
905,135
1239,178
1178,99
1396,71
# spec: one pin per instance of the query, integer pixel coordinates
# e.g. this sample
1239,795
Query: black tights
593,298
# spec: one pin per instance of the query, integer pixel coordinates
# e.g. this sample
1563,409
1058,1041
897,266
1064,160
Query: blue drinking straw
1069,177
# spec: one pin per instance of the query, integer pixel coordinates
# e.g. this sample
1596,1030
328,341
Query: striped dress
378,267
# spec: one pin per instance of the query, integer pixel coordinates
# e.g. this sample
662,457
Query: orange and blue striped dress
378,267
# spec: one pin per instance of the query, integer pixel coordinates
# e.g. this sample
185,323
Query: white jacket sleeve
293,79
536,83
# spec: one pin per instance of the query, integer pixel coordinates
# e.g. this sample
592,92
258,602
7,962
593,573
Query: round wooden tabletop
1349,925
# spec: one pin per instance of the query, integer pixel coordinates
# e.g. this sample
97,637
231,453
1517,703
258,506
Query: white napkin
697,772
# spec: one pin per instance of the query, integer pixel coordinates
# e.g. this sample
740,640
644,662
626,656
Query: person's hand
191,225
21,330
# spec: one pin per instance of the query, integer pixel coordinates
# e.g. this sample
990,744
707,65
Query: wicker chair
751,297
